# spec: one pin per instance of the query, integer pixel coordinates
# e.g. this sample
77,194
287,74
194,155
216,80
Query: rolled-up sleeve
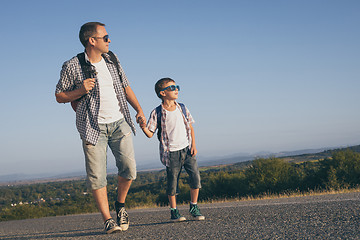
66,81
152,122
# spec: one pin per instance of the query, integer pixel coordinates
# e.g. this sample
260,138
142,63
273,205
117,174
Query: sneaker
195,212
175,216
122,218
110,226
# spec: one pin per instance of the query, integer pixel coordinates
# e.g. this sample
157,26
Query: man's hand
140,117
142,122
69,96
88,85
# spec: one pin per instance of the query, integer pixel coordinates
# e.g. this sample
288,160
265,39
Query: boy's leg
192,169
172,201
174,212
172,174
194,194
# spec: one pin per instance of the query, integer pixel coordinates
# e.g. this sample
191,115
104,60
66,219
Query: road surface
332,216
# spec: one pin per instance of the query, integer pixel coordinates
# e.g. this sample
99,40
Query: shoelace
123,216
195,211
108,224
176,213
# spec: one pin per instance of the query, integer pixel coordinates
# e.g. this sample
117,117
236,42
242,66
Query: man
102,118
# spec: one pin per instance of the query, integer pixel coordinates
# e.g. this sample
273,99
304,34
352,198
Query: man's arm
131,98
69,96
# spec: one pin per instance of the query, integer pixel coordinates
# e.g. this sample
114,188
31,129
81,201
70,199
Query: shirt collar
87,58
105,56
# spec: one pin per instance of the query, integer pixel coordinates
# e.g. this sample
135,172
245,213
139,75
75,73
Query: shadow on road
62,234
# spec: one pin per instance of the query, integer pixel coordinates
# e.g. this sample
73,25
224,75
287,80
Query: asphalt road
333,216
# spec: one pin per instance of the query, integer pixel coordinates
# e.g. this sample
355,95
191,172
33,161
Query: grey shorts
118,137
177,160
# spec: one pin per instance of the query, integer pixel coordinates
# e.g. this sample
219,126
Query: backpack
158,110
89,73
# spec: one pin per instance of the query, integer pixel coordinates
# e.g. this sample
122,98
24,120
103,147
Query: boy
177,144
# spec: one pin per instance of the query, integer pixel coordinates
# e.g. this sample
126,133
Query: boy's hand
193,151
142,121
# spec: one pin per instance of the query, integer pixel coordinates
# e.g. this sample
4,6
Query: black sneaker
110,226
175,216
195,212
122,218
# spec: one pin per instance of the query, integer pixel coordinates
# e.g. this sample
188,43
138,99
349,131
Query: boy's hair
160,85
87,31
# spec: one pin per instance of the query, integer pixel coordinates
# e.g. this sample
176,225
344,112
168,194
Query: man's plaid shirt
71,78
164,145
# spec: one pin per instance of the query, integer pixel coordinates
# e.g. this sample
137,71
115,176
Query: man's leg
102,202
123,188
95,161
121,145
122,216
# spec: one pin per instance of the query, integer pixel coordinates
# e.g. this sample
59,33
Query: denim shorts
177,160
118,136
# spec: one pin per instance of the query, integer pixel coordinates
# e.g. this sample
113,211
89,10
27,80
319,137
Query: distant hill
318,155
237,160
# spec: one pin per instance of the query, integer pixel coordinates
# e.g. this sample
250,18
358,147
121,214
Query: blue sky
256,75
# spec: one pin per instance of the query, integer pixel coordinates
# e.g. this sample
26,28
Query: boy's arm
147,132
193,149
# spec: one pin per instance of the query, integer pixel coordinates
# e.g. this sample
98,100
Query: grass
265,196
289,194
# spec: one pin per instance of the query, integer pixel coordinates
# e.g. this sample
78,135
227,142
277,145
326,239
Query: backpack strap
85,67
183,110
158,110
87,70
114,60
89,73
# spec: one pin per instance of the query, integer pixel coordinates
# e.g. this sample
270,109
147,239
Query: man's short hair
87,31
160,85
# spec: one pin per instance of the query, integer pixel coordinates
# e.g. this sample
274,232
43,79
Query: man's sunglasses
171,88
105,38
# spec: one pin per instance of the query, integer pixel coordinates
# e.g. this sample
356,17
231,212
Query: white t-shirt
109,104
176,130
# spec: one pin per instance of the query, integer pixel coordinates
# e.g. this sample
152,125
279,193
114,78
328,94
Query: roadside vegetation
261,178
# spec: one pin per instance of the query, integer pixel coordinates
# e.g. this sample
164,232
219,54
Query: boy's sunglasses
105,38
171,88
